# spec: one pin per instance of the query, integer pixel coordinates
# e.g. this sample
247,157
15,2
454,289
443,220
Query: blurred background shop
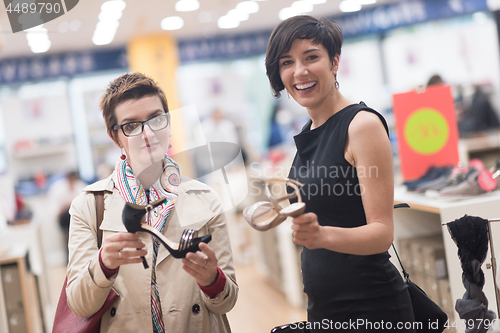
208,55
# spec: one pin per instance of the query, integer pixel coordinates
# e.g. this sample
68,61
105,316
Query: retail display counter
19,301
24,296
424,220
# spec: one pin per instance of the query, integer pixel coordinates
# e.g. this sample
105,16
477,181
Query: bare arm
367,148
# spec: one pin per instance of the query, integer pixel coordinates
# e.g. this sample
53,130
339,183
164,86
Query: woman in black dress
344,160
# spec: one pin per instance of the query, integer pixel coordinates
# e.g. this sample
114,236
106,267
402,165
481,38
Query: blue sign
385,17
224,47
17,70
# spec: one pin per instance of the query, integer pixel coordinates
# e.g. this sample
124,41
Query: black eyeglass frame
166,114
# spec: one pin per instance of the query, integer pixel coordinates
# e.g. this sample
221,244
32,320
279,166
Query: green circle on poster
426,131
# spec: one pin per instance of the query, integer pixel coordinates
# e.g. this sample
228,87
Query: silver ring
206,262
120,254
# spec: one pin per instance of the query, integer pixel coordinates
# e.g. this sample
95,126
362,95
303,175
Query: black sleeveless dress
343,288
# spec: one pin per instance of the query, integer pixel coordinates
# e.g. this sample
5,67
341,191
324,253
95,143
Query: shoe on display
436,183
432,173
468,187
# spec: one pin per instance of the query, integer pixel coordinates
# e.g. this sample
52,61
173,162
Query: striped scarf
132,191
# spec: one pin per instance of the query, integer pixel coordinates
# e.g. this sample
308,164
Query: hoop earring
337,84
123,154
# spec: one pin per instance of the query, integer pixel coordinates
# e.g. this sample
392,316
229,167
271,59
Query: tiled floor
260,306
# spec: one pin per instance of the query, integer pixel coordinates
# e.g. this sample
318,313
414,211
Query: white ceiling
141,17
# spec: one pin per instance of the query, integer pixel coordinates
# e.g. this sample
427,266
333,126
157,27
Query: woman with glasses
191,294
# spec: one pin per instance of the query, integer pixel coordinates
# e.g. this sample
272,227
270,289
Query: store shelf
482,141
19,302
16,242
425,218
42,151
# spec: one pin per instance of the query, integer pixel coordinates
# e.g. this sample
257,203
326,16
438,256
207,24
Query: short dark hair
126,87
321,31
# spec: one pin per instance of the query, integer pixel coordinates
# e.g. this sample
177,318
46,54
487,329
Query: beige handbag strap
99,207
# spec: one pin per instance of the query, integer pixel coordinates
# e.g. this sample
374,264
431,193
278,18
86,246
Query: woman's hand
307,231
202,265
113,253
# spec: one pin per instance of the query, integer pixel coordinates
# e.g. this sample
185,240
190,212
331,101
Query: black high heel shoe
133,219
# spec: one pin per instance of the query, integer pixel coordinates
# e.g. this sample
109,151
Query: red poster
427,130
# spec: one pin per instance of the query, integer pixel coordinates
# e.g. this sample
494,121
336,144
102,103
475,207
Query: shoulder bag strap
99,207
405,273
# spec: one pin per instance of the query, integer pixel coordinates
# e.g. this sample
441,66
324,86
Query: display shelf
484,144
482,141
26,237
425,217
43,151
20,306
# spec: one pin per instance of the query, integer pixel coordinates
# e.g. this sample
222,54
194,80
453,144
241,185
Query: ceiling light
105,30
187,5
172,23
227,22
75,25
366,2
287,12
102,39
249,7
302,6
348,6
104,26
113,5
238,15
317,2
40,46
38,39
110,16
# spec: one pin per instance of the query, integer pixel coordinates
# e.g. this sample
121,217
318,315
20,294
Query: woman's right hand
113,253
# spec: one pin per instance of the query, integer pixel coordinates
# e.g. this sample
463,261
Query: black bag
426,312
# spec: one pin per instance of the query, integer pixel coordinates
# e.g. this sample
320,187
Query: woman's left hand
307,231
202,265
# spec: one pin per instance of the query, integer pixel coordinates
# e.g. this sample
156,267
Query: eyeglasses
135,128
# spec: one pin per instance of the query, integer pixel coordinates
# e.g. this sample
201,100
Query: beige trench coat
185,307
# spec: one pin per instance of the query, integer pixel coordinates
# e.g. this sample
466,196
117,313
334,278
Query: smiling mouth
305,86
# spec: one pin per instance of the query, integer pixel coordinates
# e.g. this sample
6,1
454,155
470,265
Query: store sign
223,48
427,130
385,17
45,67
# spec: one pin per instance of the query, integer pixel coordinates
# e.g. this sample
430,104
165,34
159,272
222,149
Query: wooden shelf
19,305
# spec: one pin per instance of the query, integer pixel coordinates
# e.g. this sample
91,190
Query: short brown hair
126,87
321,31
